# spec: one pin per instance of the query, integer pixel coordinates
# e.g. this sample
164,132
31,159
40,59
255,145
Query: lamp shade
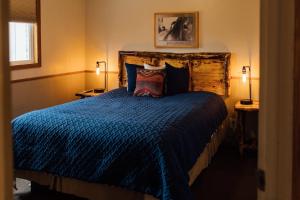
102,63
98,70
244,75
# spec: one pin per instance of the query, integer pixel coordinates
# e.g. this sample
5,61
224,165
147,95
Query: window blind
23,11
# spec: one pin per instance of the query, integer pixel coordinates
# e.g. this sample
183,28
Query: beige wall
43,93
77,33
63,38
5,135
231,25
63,50
94,81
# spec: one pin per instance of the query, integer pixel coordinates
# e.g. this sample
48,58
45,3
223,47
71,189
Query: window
22,43
24,34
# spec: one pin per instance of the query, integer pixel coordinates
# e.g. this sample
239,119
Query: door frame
6,167
275,155
296,115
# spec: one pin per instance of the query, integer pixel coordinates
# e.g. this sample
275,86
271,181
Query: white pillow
150,67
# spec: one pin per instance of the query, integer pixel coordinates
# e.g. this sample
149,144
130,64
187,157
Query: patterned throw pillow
150,83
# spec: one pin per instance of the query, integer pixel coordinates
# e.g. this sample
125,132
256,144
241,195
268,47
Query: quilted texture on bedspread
139,143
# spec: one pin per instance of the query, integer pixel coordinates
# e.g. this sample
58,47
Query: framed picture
176,30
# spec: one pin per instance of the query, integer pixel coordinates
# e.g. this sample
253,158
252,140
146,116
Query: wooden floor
229,177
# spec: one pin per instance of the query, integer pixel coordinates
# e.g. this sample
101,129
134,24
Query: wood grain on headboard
209,71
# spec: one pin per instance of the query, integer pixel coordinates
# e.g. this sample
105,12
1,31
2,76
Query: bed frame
209,72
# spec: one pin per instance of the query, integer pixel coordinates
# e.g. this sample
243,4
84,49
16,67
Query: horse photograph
176,30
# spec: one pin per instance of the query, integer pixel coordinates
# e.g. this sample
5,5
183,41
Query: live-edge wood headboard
208,71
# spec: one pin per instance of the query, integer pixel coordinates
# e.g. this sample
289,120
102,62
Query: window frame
38,63
32,41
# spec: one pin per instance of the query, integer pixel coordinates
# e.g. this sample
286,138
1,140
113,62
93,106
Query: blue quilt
138,143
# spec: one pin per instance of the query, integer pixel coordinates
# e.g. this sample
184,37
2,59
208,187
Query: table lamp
98,71
244,78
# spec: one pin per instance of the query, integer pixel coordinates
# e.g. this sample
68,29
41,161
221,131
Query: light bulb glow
244,78
98,71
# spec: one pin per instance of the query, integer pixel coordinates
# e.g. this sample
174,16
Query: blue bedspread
138,143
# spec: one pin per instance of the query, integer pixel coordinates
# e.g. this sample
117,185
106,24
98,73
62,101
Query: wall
63,39
45,92
63,50
230,25
77,33
5,135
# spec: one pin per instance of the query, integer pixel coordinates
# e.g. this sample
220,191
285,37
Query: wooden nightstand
89,93
242,111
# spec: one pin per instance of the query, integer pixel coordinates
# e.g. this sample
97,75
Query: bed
116,146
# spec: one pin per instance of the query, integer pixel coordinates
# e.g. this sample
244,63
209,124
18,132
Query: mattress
93,191
142,144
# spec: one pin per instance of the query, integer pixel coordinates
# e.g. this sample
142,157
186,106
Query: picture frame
176,30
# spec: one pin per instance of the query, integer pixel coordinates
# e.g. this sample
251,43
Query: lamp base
246,101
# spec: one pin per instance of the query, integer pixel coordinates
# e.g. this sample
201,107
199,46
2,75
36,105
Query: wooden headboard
209,71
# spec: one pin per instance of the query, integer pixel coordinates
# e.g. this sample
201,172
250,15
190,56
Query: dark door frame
296,139
5,135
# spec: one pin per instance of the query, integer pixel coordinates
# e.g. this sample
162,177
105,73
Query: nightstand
89,93
242,112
